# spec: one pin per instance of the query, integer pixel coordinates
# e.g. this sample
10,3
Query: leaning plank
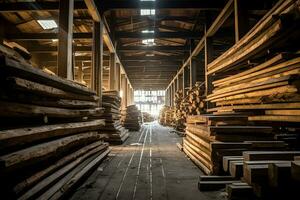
281,118
26,71
69,181
42,152
32,180
8,109
57,175
24,136
45,90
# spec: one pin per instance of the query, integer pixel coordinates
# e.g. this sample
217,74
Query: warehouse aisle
148,166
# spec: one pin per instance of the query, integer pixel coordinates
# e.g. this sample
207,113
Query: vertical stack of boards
114,131
132,118
48,137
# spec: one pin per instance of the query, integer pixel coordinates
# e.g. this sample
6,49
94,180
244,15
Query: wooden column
193,71
186,77
208,59
128,94
124,91
97,58
80,72
65,39
112,72
174,91
177,84
180,82
166,96
241,19
2,34
118,77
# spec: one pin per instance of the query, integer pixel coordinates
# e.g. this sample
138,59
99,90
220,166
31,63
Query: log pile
164,116
147,117
132,118
209,138
48,137
192,104
114,132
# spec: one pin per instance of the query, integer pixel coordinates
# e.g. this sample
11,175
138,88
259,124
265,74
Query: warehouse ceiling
153,38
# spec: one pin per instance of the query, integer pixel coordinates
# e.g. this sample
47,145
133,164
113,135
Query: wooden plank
214,185
269,155
295,170
274,106
43,179
26,71
41,89
16,138
42,152
282,112
239,192
228,159
279,174
283,118
236,168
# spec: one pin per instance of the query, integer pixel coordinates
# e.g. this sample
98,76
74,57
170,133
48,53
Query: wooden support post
174,91
208,59
186,77
112,72
118,77
124,91
65,39
193,72
97,58
80,72
180,82
2,34
128,94
241,19
177,84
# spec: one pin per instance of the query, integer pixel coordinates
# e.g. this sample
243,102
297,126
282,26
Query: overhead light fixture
148,31
147,12
47,24
54,40
149,42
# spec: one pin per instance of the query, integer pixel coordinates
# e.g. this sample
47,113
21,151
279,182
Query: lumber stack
114,132
192,104
266,174
147,117
48,137
210,137
132,118
166,116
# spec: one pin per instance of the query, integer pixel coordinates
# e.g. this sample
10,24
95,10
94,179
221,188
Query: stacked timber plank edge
132,118
48,139
114,131
166,116
209,138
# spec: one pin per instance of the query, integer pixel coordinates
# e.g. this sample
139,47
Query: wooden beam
97,61
183,35
65,34
152,48
93,10
118,77
241,19
112,72
44,36
154,58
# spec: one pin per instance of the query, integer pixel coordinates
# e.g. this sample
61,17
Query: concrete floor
148,166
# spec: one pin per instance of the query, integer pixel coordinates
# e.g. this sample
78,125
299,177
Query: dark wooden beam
112,72
153,48
44,36
241,19
140,35
65,34
146,58
97,62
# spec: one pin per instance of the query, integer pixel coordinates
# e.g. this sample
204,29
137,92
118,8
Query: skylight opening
148,31
148,42
47,24
145,12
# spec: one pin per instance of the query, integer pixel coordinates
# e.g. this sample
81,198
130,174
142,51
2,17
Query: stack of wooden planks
210,137
114,132
147,117
265,174
132,118
192,104
167,116
48,137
